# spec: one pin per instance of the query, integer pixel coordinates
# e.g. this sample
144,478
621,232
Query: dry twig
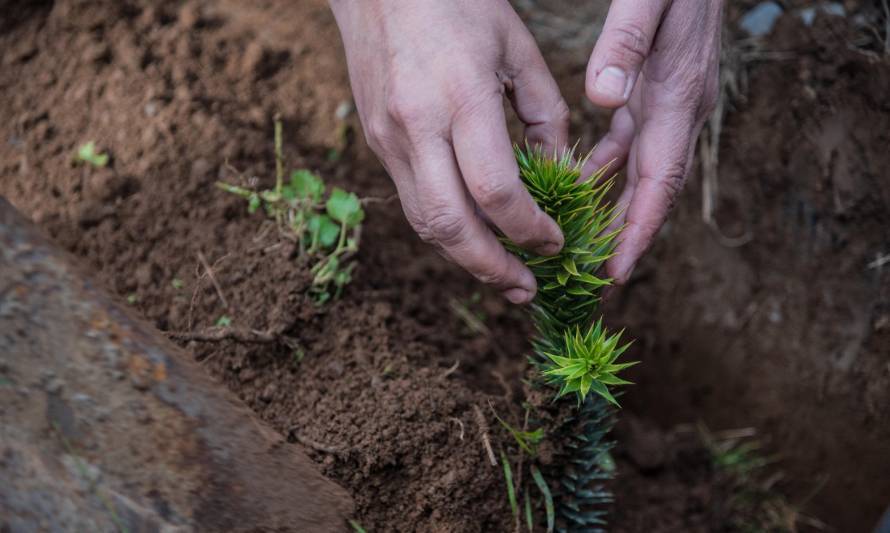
451,370
199,278
486,442
377,200
879,261
209,270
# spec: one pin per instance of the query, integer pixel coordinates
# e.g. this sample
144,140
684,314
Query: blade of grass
511,492
529,519
548,497
356,526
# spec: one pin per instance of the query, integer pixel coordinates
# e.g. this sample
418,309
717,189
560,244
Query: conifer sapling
574,351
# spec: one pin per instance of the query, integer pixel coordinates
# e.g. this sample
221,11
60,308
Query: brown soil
787,333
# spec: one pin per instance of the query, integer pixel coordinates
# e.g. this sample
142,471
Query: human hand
657,63
429,79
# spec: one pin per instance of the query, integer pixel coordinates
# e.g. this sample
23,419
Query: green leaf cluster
325,225
587,362
574,351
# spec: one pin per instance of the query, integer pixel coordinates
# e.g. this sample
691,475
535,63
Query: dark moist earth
787,332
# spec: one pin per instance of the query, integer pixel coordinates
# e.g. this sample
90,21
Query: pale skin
429,78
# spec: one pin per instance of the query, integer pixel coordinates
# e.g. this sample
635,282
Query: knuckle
495,275
421,228
561,113
671,185
493,193
630,43
376,133
423,231
416,221
668,185
407,110
403,102
674,182
446,226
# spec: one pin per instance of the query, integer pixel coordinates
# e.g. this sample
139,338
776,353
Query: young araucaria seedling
325,226
574,353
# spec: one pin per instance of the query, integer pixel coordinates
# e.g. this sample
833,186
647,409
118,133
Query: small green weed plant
325,225
89,154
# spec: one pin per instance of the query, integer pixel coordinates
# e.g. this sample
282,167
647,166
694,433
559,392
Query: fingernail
550,248
612,82
517,295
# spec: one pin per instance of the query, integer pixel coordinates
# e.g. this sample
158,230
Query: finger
613,148
660,162
485,157
621,49
536,97
453,224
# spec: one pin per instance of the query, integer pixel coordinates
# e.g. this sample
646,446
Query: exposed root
377,200
880,261
451,370
486,442
200,277
209,271
470,320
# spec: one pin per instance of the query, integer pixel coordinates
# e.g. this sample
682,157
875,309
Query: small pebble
344,109
54,386
190,16
269,392
80,398
760,19
252,60
151,108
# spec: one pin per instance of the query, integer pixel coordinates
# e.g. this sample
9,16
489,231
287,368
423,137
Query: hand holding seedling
429,79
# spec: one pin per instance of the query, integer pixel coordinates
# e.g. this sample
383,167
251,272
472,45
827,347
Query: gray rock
760,19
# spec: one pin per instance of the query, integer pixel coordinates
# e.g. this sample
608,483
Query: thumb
621,49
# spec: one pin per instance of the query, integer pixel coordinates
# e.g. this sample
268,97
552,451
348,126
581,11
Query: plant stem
341,243
279,159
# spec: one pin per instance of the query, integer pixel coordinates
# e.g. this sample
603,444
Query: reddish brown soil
173,90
